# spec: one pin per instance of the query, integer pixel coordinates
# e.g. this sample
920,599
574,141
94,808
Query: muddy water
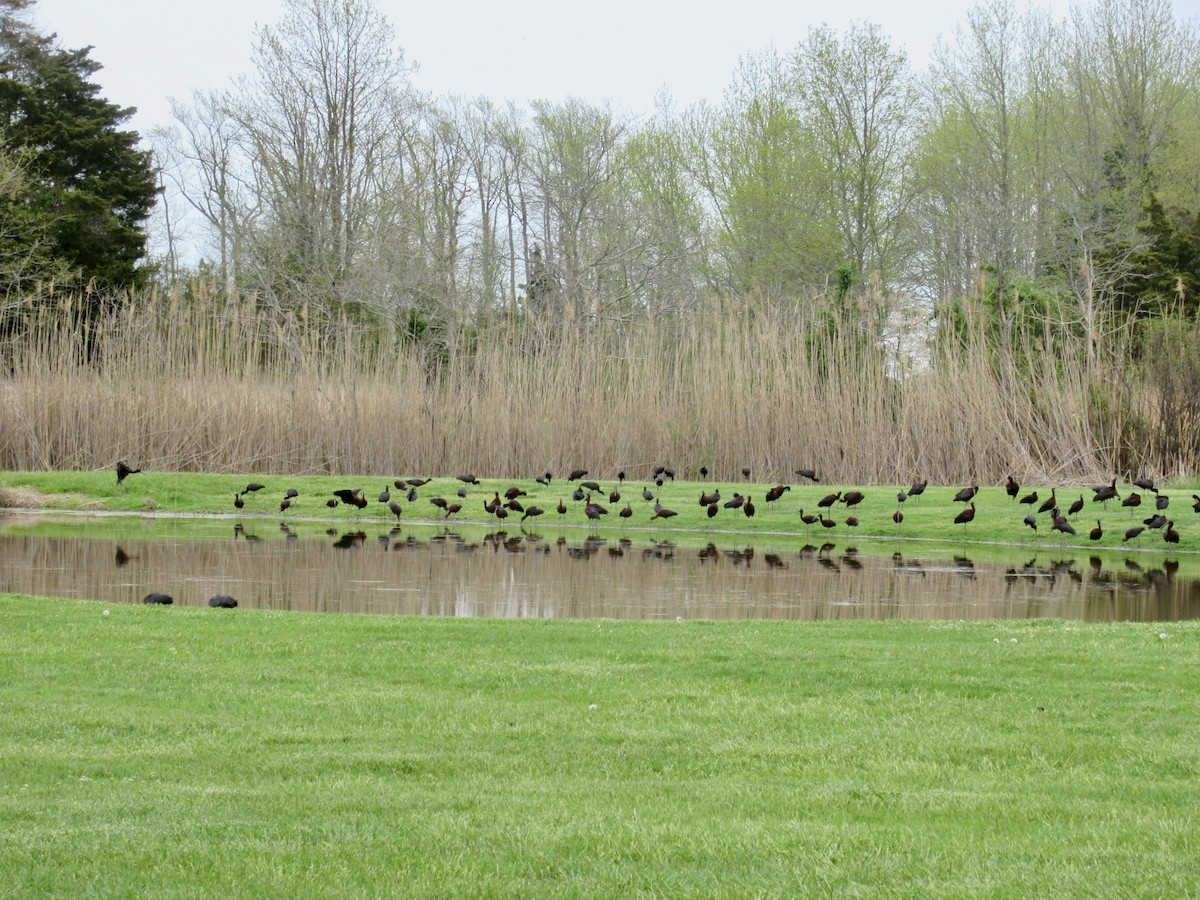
560,575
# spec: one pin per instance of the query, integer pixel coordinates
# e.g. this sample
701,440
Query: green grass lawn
998,519
195,752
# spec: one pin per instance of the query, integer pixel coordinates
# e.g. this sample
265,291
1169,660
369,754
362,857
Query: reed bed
208,384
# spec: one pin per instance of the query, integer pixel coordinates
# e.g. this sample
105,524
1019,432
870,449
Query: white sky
625,51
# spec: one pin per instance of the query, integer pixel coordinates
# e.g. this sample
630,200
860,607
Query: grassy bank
998,518
189,751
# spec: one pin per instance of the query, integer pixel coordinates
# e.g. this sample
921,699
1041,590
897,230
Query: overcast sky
625,51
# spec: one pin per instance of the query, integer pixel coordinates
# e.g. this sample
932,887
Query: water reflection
524,574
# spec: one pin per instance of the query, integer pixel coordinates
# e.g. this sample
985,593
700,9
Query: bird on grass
918,488
965,516
897,517
577,474
1171,536
1096,533
966,494
1076,506
1011,487
1031,521
748,507
1049,503
1131,533
852,498
395,508
531,512
1029,498
810,474
663,513
123,471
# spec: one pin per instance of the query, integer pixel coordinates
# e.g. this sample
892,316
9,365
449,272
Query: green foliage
89,188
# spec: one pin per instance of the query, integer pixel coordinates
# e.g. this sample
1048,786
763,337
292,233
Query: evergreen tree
90,185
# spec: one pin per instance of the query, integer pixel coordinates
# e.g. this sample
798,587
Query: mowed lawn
195,752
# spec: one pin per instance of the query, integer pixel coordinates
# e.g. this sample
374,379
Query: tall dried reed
223,386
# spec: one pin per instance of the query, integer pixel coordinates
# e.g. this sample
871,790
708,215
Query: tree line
1041,174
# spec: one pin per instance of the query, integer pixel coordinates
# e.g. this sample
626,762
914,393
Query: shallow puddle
567,573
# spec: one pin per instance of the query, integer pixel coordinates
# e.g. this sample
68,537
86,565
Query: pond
563,572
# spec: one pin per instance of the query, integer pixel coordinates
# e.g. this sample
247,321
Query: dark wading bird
531,512
852,498
562,508
452,509
897,517
1131,533
158,598
627,511
577,474
776,492
1076,506
806,518
468,478
965,495
1031,521
222,601
1146,484
1162,501
746,472
1049,503
413,482
965,516
395,508
1030,498
1011,487
123,471
238,501
735,503
748,507
1105,492
810,474
918,488
253,487
1132,500
1171,536
1096,533
828,500
712,510
662,513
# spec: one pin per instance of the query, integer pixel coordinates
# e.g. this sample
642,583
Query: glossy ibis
1196,505
411,496
712,510
222,601
494,504
1134,499
918,488
626,512
590,485
1076,506
776,492
238,501
1031,521
577,494
646,495
852,498
1158,520
1096,533
827,522
807,518
253,487
1105,492
561,508
704,471
614,496
901,496
1171,536
965,495
158,598
828,500
468,478
709,499
543,479
531,511
1049,503
1061,525
897,517
284,504
415,482
514,492
384,496
748,507
965,516
1146,484
734,503
1131,533
395,508
852,521
1030,498
351,497
1011,487
440,503
810,474
332,502
621,476
746,472
663,513
576,474
1161,502
500,512
123,471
